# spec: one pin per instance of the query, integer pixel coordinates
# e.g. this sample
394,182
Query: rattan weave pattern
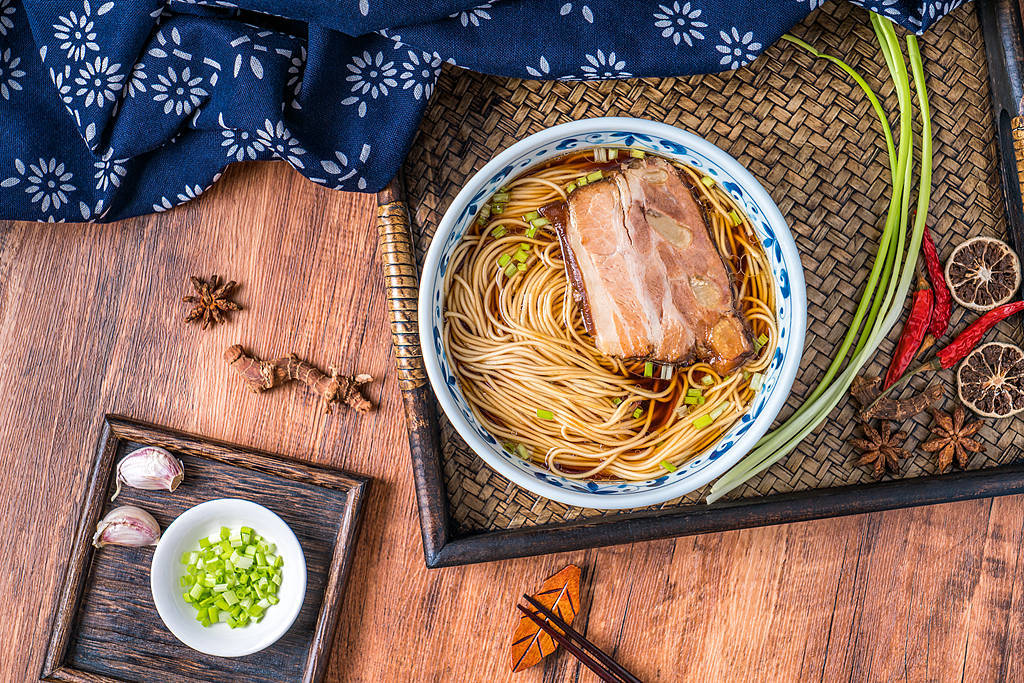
809,135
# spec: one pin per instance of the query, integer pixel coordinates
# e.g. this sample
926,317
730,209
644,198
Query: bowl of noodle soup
516,372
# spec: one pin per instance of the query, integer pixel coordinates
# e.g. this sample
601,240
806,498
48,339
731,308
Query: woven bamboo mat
810,137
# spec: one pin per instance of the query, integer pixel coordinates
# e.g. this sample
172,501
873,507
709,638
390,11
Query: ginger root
260,375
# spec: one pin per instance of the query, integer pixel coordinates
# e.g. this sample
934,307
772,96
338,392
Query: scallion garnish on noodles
888,282
545,414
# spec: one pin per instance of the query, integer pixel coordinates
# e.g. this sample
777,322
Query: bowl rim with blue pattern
674,143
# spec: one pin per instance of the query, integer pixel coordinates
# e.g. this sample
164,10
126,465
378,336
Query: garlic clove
151,468
128,526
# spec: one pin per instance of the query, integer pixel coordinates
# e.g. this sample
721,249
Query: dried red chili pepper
913,332
964,343
969,338
943,307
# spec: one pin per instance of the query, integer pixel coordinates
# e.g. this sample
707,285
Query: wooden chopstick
593,657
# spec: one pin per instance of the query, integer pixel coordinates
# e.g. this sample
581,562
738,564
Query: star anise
882,448
212,300
952,438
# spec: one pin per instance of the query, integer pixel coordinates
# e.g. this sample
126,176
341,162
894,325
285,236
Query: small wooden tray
106,628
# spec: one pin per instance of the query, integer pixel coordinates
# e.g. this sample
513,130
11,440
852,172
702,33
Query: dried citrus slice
983,273
990,381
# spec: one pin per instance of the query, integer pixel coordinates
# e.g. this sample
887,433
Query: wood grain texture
90,324
106,625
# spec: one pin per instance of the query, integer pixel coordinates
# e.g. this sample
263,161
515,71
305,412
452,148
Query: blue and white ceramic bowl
667,141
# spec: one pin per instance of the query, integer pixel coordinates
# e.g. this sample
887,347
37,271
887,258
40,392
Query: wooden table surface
91,324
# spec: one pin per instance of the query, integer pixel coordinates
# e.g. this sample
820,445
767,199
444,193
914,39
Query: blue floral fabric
114,108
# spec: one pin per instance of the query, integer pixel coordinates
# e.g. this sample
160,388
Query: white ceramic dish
771,228
183,536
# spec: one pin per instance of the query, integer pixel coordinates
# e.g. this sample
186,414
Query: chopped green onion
545,414
735,217
690,400
613,154
523,452
521,256
694,391
762,339
581,181
521,267
717,412
229,576
707,180
539,222
638,412
666,465
648,369
700,400
616,401
596,175
511,270
755,381
666,372
703,421
637,153
532,216
707,380
498,208
531,232
499,231
500,198
503,260
570,187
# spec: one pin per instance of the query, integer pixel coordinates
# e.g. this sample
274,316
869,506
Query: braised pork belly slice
644,268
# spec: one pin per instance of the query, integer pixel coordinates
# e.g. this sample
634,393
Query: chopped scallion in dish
233,578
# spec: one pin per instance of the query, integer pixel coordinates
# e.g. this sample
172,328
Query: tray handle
401,285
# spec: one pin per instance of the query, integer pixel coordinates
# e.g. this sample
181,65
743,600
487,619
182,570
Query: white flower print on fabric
888,8
420,73
109,171
296,69
179,93
99,81
48,182
77,32
280,141
137,81
543,71
62,82
680,23
396,38
6,16
240,144
737,50
9,74
167,46
343,171
186,195
473,17
814,4
601,66
255,50
370,75
585,10
941,9
364,7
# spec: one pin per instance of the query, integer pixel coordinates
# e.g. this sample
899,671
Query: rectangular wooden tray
106,628
807,134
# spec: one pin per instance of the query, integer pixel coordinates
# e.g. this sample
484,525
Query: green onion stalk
881,303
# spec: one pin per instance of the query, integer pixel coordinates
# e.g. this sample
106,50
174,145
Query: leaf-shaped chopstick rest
559,593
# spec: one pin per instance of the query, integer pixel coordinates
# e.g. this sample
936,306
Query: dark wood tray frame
443,543
117,428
